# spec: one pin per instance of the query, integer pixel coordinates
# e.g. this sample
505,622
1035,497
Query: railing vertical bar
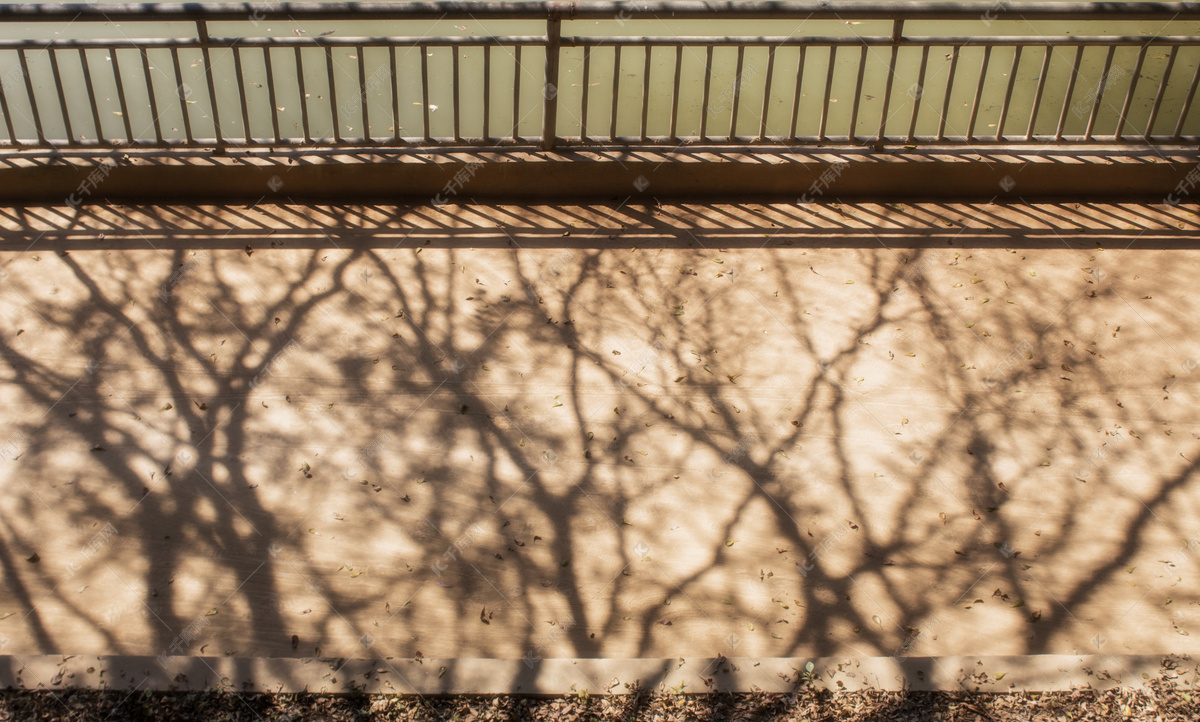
675,92
796,99
707,90
455,101
941,134
646,91
179,89
149,93
1137,69
487,92
920,86
62,98
1012,81
274,109
1037,95
828,90
333,104
364,108
303,98
987,57
897,34
1099,93
550,88
583,103
202,34
8,124
241,83
516,109
91,92
858,86
120,97
737,93
1187,103
392,79
212,90
766,104
616,91
425,93
1162,87
1062,116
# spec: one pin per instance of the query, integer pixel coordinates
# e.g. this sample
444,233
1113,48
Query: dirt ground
1165,703
599,430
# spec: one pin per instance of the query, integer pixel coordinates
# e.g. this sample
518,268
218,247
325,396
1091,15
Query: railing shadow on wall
614,225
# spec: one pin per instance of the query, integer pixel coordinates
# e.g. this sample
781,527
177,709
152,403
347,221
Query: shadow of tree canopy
597,430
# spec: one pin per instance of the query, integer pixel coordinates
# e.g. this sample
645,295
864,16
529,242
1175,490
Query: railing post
550,89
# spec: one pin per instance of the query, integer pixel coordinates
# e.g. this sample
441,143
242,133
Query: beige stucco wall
651,431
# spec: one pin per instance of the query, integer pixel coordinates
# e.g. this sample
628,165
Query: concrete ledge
1034,673
986,173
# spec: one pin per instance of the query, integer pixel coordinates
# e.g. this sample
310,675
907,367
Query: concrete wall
724,173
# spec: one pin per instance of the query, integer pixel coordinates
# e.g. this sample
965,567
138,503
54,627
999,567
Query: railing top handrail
604,9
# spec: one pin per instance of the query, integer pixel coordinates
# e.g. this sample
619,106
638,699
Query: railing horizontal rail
1022,82
368,42
631,140
601,41
825,41
597,10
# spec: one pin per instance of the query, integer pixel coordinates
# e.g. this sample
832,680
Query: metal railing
1015,78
